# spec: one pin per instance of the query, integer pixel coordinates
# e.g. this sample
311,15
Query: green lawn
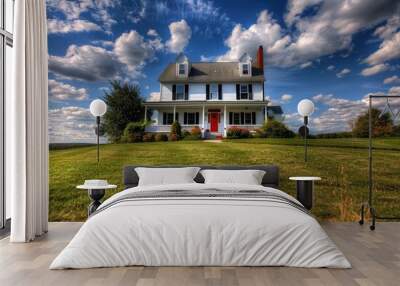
342,163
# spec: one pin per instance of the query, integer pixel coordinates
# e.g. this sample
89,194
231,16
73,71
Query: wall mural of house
212,95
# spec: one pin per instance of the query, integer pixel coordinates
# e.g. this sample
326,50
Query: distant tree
276,129
381,126
124,105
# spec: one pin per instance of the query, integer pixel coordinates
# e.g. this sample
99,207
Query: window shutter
253,118
164,118
220,91
185,118
250,91
174,92
197,117
230,118
207,91
242,118
186,91
177,116
237,91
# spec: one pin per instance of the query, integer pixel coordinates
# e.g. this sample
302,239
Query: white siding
166,92
257,91
197,91
229,92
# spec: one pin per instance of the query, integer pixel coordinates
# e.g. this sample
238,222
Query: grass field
342,163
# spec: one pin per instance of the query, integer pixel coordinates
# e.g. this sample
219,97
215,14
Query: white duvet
200,231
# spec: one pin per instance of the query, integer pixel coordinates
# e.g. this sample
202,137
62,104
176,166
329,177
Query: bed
198,224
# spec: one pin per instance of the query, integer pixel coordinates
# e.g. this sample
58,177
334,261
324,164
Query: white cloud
207,59
98,9
394,90
306,65
296,8
339,113
86,62
286,98
132,50
152,32
392,79
375,69
71,124
343,72
330,68
62,27
327,30
62,91
180,36
388,50
92,63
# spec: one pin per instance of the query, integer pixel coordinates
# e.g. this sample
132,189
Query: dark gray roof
276,109
211,72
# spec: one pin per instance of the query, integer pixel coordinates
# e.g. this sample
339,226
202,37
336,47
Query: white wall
166,92
197,91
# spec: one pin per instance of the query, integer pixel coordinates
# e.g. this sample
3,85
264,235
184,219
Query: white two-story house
211,95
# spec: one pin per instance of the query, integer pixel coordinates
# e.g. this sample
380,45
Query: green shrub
148,137
133,132
161,137
276,129
185,133
176,130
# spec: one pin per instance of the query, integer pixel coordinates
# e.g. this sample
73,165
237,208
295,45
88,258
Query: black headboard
271,177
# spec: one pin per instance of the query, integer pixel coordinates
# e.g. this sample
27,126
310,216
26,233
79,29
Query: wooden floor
375,257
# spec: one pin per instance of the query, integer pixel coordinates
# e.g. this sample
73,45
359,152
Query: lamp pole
305,137
305,109
98,138
98,108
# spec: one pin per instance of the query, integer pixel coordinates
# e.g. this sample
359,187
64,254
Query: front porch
212,118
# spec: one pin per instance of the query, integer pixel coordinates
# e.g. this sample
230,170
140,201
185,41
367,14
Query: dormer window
245,69
182,69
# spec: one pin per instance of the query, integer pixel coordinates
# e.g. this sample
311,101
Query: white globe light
98,107
305,107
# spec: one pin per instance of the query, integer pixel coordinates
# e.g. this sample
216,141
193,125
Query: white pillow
248,177
166,176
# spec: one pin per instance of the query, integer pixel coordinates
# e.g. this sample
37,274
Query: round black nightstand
305,188
96,193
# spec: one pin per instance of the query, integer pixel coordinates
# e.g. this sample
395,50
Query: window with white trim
245,69
214,91
181,69
6,64
168,118
242,118
191,118
180,91
244,91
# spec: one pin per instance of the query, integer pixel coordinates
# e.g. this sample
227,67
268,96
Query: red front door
214,122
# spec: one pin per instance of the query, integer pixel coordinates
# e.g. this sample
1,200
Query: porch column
225,130
174,113
145,113
266,113
203,121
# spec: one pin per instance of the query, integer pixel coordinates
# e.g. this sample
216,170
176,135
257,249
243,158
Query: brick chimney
260,58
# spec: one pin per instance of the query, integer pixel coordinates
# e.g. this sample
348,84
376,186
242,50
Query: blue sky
333,52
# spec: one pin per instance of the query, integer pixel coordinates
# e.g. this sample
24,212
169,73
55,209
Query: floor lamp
305,109
98,108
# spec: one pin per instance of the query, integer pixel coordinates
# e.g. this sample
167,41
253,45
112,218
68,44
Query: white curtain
26,124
